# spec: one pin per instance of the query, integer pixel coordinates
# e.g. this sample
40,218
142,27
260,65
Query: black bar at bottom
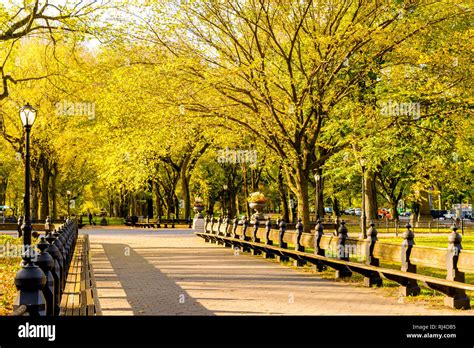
195,330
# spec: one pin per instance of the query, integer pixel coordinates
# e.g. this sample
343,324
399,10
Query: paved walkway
173,272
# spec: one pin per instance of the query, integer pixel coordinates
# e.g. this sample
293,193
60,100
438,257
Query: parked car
7,214
328,210
384,213
349,211
357,212
438,214
449,215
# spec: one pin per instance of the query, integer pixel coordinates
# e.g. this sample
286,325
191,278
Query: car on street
7,214
384,213
328,210
349,211
449,215
438,214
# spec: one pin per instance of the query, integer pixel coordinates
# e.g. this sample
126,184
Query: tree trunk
34,199
143,203
44,212
246,191
134,204
159,206
185,193
176,207
303,198
169,207
111,206
283,192
121,204
425,209
3,190
415,208
127,196
370,196
237,207
232,206
53,192
35,191
116,210
149,199
210,207
393,207
335,207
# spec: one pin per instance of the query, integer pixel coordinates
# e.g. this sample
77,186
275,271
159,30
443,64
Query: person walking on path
90,218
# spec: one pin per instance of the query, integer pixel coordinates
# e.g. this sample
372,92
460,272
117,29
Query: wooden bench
20,311
14,227
146,224
161,224
80,295
369,254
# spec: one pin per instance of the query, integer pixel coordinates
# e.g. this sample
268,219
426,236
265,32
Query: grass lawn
427,294
433,241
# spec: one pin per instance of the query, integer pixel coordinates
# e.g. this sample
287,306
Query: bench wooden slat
78,297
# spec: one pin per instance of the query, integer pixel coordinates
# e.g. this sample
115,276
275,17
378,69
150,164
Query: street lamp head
68,192
363,162
225,187
27,115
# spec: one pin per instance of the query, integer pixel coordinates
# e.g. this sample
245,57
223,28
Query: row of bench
347,255
35,227
80,293
160,224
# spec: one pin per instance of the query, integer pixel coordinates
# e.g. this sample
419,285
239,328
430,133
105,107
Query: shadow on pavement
148,291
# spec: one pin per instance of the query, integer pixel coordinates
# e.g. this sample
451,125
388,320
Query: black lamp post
68,194
30,279
317,180
363,218
28,116
225,187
